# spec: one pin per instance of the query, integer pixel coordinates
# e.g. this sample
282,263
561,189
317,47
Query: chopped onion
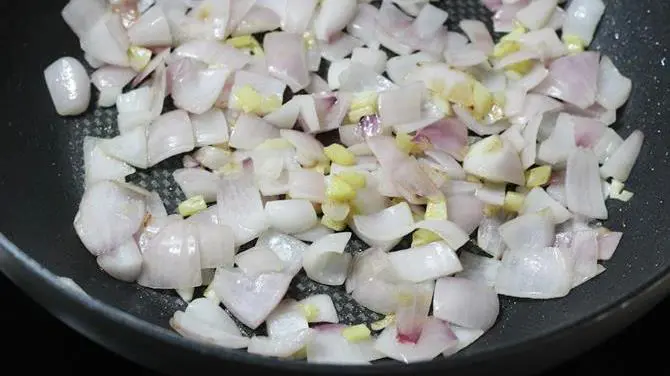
169,135
325,261
210,128
340,47
99,166
195,89
107,41
323,308
290,216
389,224
286,320
528,231
583,189
257,261
573,79
582,17
427,262
495,161
213,53
537,14
207,322
289,249
197,182
69,86
250,299
621,162
333,16
281,347
286,59
483,270
307,184
151,29
466,303
537,200
124,263
82,15
539,273
329,346
251,131
130,147
436,337
607,244
110,80
259,19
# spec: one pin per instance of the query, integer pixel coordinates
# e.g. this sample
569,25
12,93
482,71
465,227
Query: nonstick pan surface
41,185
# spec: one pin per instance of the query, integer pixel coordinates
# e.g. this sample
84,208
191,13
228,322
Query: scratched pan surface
41,185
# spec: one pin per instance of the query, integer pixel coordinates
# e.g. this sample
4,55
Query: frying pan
41,185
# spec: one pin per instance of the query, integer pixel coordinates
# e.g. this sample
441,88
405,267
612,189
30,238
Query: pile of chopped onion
443,135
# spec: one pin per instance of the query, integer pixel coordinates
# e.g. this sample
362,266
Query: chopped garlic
332,224
274,144
574,43
513,201
383,323
505,47
193,205
310,311
335,210
538,176
340,155
353,178
356,333
139,57
483,100
246,42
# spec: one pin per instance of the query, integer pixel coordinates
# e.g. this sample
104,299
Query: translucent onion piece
436,337
151,29
607,244
250,299
573,79
540,273
372,281
196,90
251,131
214,53
528,231
483,270
582,18
465,336
431,261
206,322
216,243
289,249
240,206
502,164
99,166
286,59
172,258
453,235
389,224
280,347
310,150
107,41
446,164
465,211
291,216
537,14
413,305
197,182
169,135
69,86
401,105
315,233
333,16
398,68
210,128
109,214
324,308
324,260
259,19
124,263
110,80
340,47
329,346
82,15
620,164
584,253
613,88
374,58
537,200
608,143
364,24
307,184
130,147
257,261
478,35
583,189
287,319
466,303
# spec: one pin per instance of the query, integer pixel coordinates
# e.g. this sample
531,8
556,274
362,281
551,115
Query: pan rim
653,290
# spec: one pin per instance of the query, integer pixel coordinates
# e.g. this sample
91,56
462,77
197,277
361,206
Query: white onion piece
124,263
257,20
374,58
316,85
325,309
99,166
333,16
206,322
429,21
446,163
136,100
315,233
265,85
399,67
240,206
324,260
505,16
426,262
607,244
169,135
389,224
151,29
537,200
608,143
212,157
297,20
582,18
545,42
515,57
465,336
172,258
480,129
359,78
372,281
502,164
130,147
582,185
573,79
453,235
335,70
465,211
491,194
210,128
329,346
534,105
309,149
287,319
93,62
621,162
540,273
82,15
584,253
483,270
250,299
413,305
107,41
465,57
280,347
109,214
216,243
257,261
537,14
196,90
214,53
466,303
286,116
613,88
251,131
159,89
401,105
197,182
155,206
69,86
307,184
291,216
151,229
110,80
340,47
478,35
436,337
528,231
286,59
287,248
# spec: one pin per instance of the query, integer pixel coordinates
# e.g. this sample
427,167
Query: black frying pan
41,185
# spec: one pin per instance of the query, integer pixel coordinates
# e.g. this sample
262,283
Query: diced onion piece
528,231
197,182
130,147
389,224
582,18
325,261
69,86
453,235
495,161
583,189
621,162
540,273
280,347
481,269
466,303
322,307
151,29
124,263
436,337
257,261
250,299
537,200
613,88
196,90
465,337
537,14
206,322
427,262
100,166
169,135
290,216
286,59
333,16
287,319
608,243
210,128
329,346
